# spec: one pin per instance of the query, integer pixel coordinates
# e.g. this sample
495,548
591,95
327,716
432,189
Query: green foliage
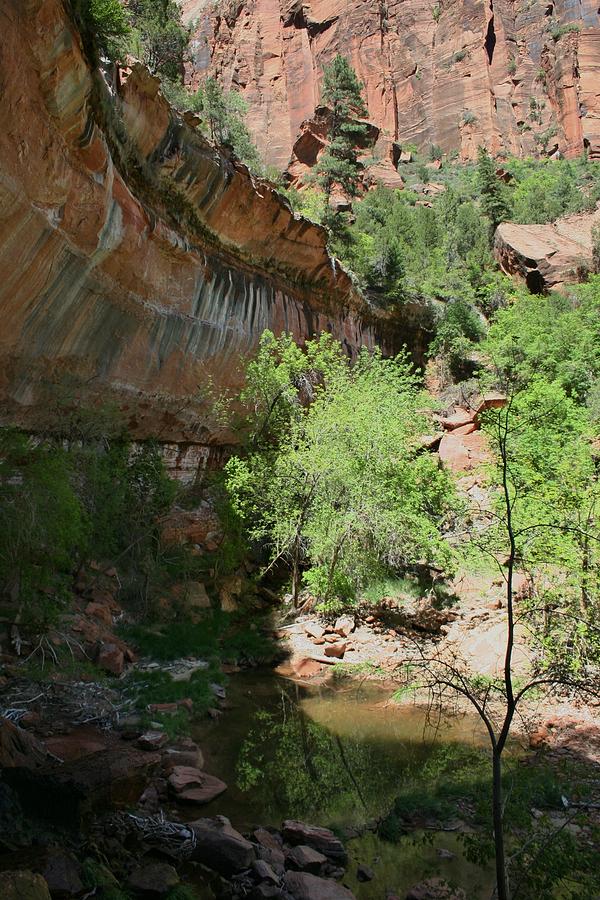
223,114
158,687
150,29
545,859
555,336
558,31
97,877
310,203
217,636
493,199
44,525
108,22
76,495
404,252
556,500
458,330
436,12
342,92
182,892
544,196
159,37
333,480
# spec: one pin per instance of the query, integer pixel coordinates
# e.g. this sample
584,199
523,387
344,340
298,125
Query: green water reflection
337,755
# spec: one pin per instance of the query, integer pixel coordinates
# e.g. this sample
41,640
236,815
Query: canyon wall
519,76
138,264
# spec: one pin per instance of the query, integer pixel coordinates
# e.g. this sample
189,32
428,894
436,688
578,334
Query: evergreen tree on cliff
342,93
493,200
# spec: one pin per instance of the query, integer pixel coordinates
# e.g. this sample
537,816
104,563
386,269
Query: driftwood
171,837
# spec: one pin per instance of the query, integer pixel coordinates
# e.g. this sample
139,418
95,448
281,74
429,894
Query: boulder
314,630
153,879
458,419
275,858
220,847
62,873
203,791
182,777
546,256
321,839
306,859
24,886
152,740
469,428
101,612
196,600
230,592
364,873
304,886
268,839
66,794
306,668
435,889
174,757
344,625
111,658
264,871
336,650
18,748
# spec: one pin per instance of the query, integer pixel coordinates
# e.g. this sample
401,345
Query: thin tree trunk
497,817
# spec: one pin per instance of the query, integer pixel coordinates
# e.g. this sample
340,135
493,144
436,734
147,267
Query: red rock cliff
456,73
136,262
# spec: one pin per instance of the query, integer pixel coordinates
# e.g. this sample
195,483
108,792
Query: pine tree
342,92
493,200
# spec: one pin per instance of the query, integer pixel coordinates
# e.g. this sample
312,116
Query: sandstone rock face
462,76
546,256
136,287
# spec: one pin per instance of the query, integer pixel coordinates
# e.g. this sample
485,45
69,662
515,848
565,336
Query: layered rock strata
546,257
520,77
138,263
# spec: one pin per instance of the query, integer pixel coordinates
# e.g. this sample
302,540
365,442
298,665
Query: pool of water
337,755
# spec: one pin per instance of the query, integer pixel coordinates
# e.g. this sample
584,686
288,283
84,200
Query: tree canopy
340,489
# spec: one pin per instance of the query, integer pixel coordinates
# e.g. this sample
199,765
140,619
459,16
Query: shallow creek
336,755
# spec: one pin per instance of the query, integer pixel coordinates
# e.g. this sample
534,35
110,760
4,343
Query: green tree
224,113
160,39
107,23
343,490
342,93
491,189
